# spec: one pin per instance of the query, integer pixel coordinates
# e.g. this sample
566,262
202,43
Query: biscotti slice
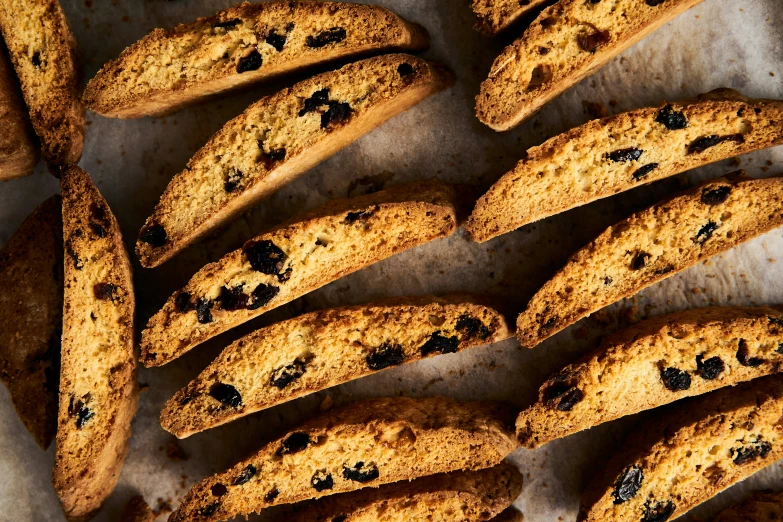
236,47
460,496
656,362
137,510
322,349
611,155
688,453
363,445
762,506
43,51
275,141
31,309
567,42
494,16
295,258
98,392
18,150
652,245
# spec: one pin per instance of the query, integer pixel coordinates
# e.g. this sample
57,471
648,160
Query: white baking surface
719,43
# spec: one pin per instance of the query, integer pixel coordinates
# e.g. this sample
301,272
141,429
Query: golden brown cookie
18,148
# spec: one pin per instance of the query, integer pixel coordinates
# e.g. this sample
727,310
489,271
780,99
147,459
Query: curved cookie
366,444
43,51
318,350
276,140
567,42
239,46
690,452
293,259
652,245
18,150
31,307
494,16
98,392
656,362
762,506
604,157
460,496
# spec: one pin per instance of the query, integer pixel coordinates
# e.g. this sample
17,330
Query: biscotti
460,496
656,362
688,453
362,445
31,308
276,140
137,510
322,349
43,51
236,47
98,392
494,16
611,155
652,245
295,258
18,150
762,506
567,42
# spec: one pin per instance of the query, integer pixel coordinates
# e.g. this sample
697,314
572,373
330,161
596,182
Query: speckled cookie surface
362,445
762,506
494,16
18,147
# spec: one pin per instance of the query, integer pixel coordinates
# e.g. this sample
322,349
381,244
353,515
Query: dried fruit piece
353,217
590,41
675,379
234,180
437,343
671,119
203,311
262,295
716,196
276,40
294,443
250,62
562,396
361,472
245,475
625,155
384,356
640,260
707,142
285,375
628,484
642,172
226,394
744,357
154,235
322,481
705,232
709,369
405,69
264,256
233,299
182,302
105,291
655,511
472,327
333,35
745,454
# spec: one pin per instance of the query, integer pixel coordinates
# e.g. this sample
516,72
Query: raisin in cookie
494,16
276,140
762,506
566,43
236,47
460,496
18,149
322,349
98,392
31,307
604,157
656,362
43,51
652,245
295,258
688,453
137,510
362,445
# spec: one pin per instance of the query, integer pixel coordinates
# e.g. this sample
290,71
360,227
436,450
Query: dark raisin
285,375
750,453
764,448
337,113
272,158
233,299
264,256
404,69
590,41
36,59
322,481
715,196
548,324
218,490
285,276
471,327
361,473
78,264
709,369
316,100
226,394
276,40
187,399
608,280
706,142
251,62
659,511
245,475
628,484
294,443
705,232
642,172
154,235
209,510
744,357
233,180
440,344
384,356
228,23
675,380
182,302
262,295
271,495
639,261
333,35
625,155
203,312
353,217
562,395
570,399
78,408
671,119
98,230
104,291
654,3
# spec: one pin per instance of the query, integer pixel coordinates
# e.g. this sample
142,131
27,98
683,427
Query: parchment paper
719,43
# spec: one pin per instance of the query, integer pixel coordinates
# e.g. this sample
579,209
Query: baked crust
245,44
495,16
276,140
611,155
651,245
18,150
